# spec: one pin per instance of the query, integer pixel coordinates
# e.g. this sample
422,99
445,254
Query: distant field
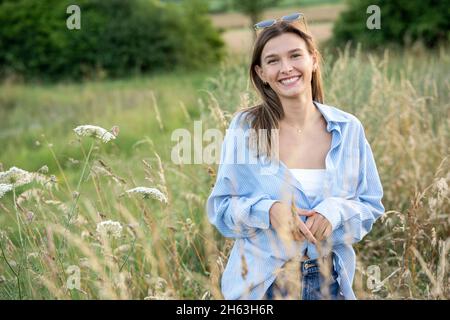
240,40
238,35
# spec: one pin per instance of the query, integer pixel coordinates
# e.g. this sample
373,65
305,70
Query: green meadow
48,233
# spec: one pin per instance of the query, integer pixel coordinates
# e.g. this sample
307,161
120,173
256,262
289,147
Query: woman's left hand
319,226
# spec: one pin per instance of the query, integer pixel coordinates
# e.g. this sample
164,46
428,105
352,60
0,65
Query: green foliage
254,8
403,22
117,38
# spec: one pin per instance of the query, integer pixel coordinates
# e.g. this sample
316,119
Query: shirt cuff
330,211
261,209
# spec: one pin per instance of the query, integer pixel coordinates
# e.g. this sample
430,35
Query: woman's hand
288,224
319,226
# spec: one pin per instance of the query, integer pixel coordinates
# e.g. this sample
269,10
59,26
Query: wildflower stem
12,270
86,162
17,217
59,166
128,255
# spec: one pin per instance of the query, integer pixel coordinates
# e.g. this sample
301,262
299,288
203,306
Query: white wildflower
109,228
15,177
94,131
433,202
149,192
4,188
442,187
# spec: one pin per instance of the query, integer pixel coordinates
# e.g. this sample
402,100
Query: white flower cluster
442,187
149,192
16,177
94,131
109,228
4,188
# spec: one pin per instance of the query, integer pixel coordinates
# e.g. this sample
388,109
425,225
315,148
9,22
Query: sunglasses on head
293,17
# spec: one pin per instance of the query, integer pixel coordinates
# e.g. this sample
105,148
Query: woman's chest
304,150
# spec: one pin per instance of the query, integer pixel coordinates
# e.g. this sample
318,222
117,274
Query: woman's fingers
309,222
320,234
305,231
328,231
316,225
306,213
298,236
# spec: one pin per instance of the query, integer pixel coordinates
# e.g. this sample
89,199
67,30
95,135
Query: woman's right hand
288,225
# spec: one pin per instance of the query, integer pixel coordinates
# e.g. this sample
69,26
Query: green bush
403,22
117,38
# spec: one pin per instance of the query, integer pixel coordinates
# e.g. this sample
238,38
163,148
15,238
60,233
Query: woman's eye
296,55
271,61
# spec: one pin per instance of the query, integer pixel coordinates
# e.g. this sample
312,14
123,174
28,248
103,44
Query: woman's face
287,65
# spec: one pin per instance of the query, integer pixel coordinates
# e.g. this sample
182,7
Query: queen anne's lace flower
149,192
109,228
442,187
15,177
94,131
4,188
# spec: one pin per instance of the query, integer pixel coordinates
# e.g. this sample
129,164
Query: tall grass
170,250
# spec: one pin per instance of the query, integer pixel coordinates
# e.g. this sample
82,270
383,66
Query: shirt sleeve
352,219
237,206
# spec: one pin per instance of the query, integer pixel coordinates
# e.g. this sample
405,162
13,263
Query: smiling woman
295,226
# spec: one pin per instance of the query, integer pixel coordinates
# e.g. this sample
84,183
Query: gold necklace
297,129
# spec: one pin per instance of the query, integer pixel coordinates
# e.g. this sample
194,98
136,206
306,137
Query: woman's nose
286,67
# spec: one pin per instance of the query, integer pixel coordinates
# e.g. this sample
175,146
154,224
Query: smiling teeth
290,80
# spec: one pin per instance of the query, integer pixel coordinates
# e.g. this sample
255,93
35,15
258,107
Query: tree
403,22
254,8
117,38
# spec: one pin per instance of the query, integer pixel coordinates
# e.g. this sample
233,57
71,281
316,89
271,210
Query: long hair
268,114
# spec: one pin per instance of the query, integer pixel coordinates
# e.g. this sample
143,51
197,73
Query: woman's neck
299,112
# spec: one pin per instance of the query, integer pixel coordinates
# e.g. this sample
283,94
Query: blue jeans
312,284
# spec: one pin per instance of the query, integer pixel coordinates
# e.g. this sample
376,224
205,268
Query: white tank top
311,180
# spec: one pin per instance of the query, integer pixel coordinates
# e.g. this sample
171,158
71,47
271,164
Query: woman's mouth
290,82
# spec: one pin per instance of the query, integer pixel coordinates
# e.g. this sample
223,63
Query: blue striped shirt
244,192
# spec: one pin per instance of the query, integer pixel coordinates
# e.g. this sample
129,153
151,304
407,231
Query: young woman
293,224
